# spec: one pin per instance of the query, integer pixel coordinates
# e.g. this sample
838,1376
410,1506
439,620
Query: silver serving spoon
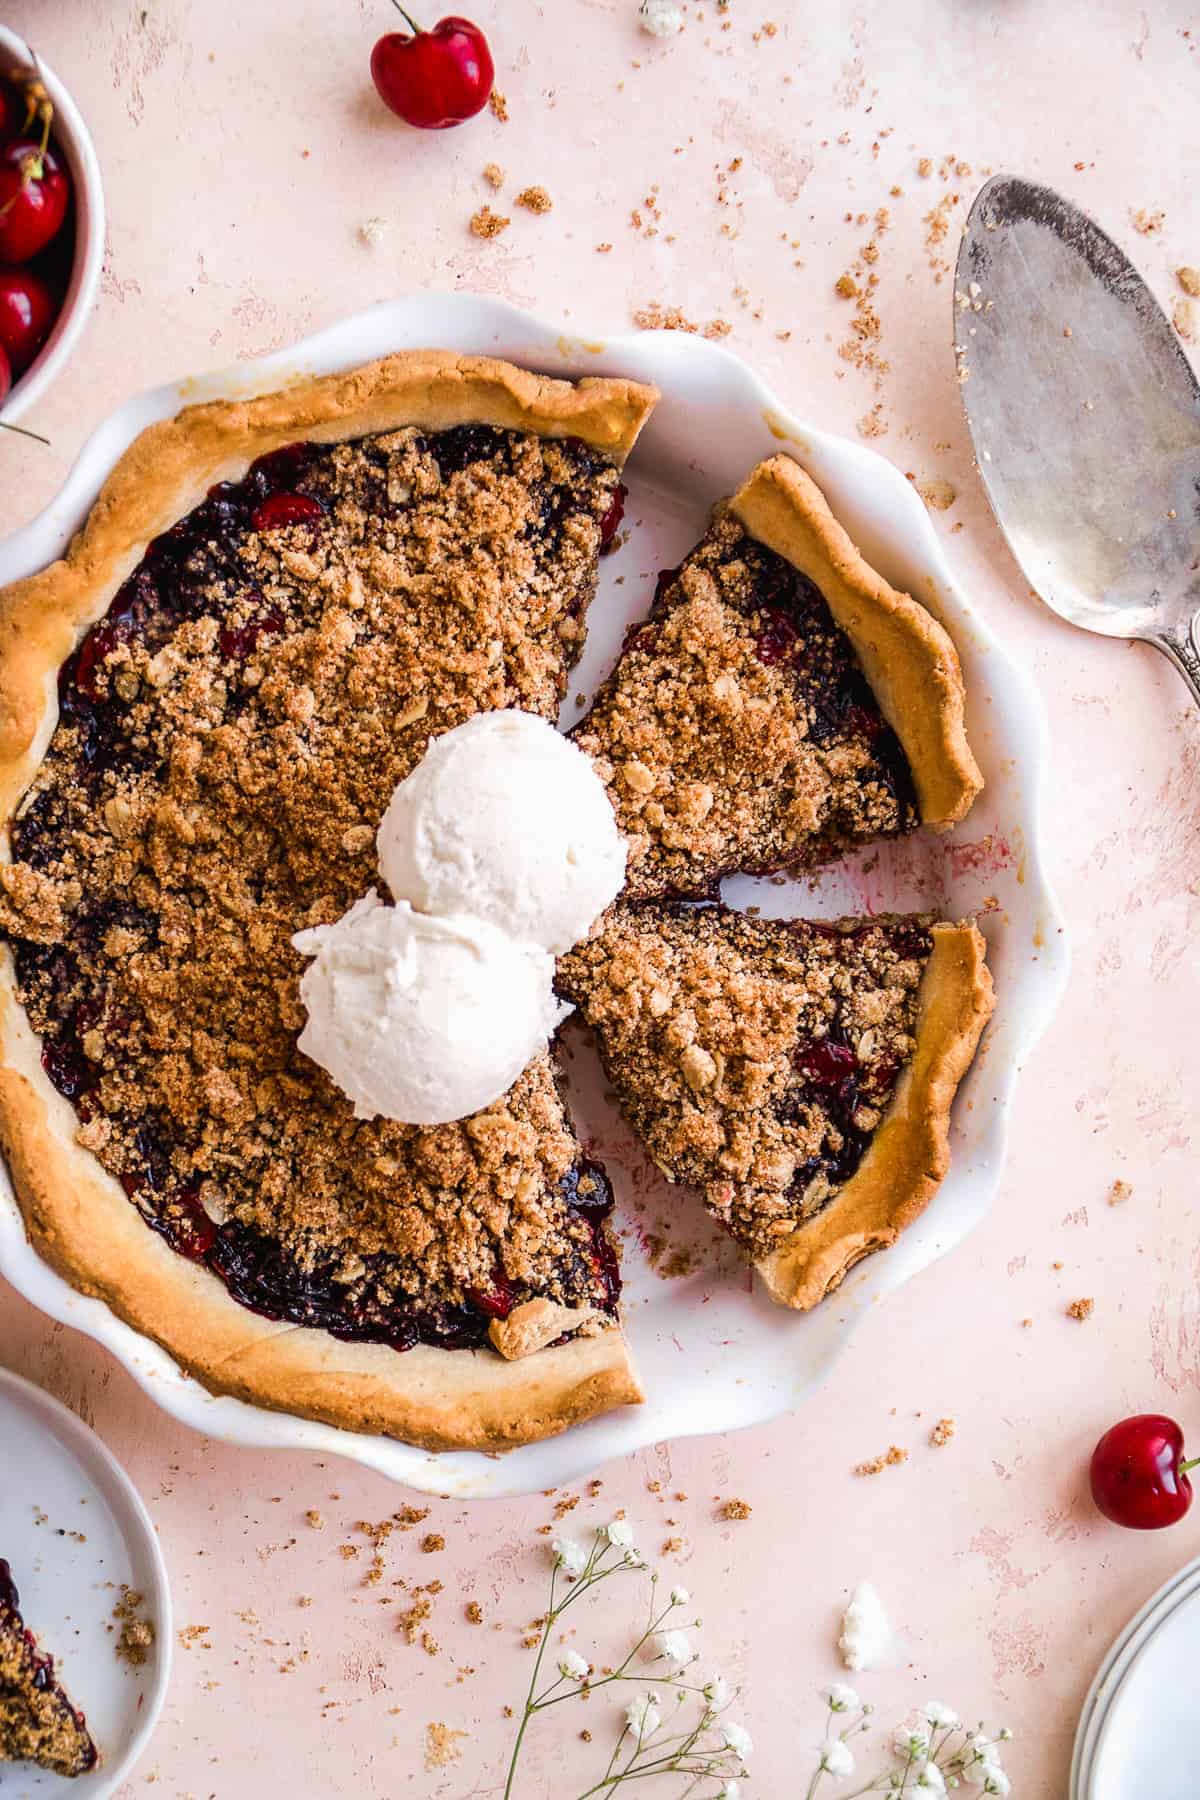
1085,416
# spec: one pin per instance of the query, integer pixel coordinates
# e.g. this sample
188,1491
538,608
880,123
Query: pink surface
242,148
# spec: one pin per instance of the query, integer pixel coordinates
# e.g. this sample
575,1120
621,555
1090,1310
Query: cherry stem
1185,1466
408,19
22,431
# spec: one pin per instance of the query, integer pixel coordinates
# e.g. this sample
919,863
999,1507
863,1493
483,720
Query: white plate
1149,1742
1119,1658
74,1530
713,1354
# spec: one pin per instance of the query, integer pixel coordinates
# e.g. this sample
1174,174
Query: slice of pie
781,704
38,1723
800,1074
204,709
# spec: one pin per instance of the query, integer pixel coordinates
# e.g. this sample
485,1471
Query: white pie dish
735,1360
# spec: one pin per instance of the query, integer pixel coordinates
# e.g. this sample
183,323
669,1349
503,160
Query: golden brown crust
77,1216
910,1152
169,467
907,657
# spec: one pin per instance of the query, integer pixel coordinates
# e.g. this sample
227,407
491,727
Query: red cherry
34,191
437,78
5,375
26,315
1138,1478
285,509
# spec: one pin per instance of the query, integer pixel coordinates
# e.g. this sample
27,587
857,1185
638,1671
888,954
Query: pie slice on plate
38,1723
782,704
204,709
800,1074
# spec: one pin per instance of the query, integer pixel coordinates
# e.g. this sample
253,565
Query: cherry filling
610,523
40,1664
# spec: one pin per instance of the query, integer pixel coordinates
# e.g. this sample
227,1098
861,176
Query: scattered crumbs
735,1509
566,1504
654,1487
1188,279
1026,1323
304,1600
942,1432
891,1457
192,1635
499,105
873,424
316,1519
1081,1309
1119,1192
377,1536
442,1745
594,1487
487,224
1057,1265
1183,317
672,1546
408,1516
680,1496
347,1552
493,174
534,199
1147,221
135,1640
433,1540
474,1612
846,286
586,1735
603,249
372,231
507,1711
937,494
925,167
657,317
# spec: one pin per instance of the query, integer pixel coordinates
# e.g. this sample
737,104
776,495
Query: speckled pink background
242,147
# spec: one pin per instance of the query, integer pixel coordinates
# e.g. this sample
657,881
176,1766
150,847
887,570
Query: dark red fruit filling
41,1665
286,509
610,523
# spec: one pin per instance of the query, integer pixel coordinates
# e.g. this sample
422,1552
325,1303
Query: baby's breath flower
912,1740
573,1666
679,1596
836,1759
996,1781
620,1533
570,1555
730,1791
931,1780
738,1739
839,1698
938,1714
674,1646
642,1715
1004,1735
716,1691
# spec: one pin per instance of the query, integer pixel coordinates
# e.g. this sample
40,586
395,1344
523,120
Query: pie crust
77,1215
910,1151
906,656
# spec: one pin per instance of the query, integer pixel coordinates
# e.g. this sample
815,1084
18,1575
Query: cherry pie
38,1723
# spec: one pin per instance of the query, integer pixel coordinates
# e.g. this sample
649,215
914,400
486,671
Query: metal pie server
1085,417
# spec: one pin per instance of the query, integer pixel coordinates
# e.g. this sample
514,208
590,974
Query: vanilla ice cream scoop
423,1019
505,819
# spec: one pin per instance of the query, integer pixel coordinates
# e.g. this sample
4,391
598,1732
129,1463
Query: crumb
889,1460
191,1635
846,286
1057,1265
1188,279
672,1546
372,231
493,174
586,1735
499,105
534,199
1026,1323
657,317
1148,222
136,1638
1119,1191
1081,1309
567,1504
735,1509
925,166
474,1612
594,1487
441,1745
943,1431
873,424
304,1600
433,1540
347,1552
1183,317
487,224
603,249
316,1519
938,494
411,1515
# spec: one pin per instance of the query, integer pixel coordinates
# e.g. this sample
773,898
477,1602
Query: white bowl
714,1355
72,139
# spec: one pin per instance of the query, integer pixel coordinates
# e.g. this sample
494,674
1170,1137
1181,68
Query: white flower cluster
661,18
933,1757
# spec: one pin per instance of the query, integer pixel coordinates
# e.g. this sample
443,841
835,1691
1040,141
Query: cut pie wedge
204,709
38,1723
800,1074
782,704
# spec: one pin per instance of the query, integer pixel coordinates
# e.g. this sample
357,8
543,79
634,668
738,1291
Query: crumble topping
737,731
754,1057
38,1724
229,736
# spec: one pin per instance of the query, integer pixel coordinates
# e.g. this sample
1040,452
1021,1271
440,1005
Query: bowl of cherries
51,225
